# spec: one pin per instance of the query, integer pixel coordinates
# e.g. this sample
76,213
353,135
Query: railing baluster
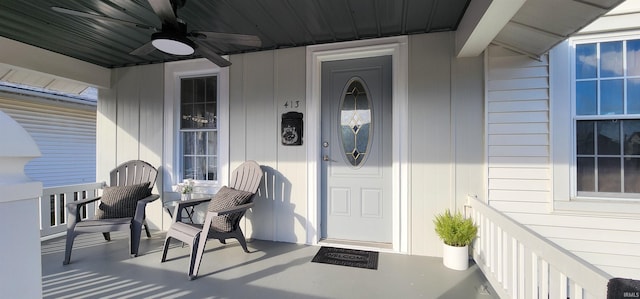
519,263
545,280
535,276
578,291
514,267
491,247
53,206
564,286
500,254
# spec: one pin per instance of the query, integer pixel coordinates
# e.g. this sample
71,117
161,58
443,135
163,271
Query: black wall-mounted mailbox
292,128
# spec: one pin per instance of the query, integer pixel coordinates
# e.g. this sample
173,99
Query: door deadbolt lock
325,144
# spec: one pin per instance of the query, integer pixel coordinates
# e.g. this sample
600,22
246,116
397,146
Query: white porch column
21,270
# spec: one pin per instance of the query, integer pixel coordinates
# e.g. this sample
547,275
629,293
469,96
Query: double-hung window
606,118
199,128
196,133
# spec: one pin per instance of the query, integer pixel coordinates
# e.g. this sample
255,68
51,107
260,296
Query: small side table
170,205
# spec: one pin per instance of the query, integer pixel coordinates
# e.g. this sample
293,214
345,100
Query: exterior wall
445,129
261,84
519,177
129,124
529,144
65,134
446,157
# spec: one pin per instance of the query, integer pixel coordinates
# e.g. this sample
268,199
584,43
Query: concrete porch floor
102,269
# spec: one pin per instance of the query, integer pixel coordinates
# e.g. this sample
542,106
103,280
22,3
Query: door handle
326,158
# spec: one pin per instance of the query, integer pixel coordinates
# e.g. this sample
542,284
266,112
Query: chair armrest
73,210
177,210
142,205
149,199
232,210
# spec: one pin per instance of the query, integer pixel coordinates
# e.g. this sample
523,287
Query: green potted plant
456,232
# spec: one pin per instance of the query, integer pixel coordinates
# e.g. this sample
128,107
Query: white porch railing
519,263
53,214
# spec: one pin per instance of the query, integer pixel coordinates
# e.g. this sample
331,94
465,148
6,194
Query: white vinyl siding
517,131
65,134
524,157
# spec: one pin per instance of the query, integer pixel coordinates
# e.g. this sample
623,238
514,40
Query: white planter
456,258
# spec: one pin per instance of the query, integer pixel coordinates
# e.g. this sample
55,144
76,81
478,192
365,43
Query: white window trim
565,199
171,148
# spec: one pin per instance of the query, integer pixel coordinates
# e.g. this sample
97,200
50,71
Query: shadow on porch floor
272,270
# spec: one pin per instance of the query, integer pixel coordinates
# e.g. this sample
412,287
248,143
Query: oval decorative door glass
355,122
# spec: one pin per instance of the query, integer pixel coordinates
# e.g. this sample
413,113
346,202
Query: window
196,125
199,128
355,122
607,118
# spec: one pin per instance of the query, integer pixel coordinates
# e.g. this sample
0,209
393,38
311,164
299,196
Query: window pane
633,96
201,143
631,137
611,59
199,90
586,174
212,143
188,143
212,174
210,115
609,175
633,57
188,168
199,103
632,175
586,61
611,97
186,91
201,168
355,122
608,137
585,137
586,94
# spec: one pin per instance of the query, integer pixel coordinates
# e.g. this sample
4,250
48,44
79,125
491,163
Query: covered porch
271,270
509,260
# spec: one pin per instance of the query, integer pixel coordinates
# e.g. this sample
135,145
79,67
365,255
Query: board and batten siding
130,125
260,85
520,166
65,134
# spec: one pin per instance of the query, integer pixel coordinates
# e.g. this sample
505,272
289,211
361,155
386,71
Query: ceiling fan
173,38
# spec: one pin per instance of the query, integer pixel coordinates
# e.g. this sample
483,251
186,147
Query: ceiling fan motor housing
173,40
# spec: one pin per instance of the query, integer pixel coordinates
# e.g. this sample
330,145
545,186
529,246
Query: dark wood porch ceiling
278,23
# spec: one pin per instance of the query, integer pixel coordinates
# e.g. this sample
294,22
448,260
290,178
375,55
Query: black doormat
347,257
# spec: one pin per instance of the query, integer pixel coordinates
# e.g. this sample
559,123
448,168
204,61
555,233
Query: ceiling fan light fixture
171,43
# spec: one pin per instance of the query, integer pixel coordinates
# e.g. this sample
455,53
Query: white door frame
397,47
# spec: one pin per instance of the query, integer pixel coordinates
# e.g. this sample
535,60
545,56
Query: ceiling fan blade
164,10
143,50
98,17
211,55
229,38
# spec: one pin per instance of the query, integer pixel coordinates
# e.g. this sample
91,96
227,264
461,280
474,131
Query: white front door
356,150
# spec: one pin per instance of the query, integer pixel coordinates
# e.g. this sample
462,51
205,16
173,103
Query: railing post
20,255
